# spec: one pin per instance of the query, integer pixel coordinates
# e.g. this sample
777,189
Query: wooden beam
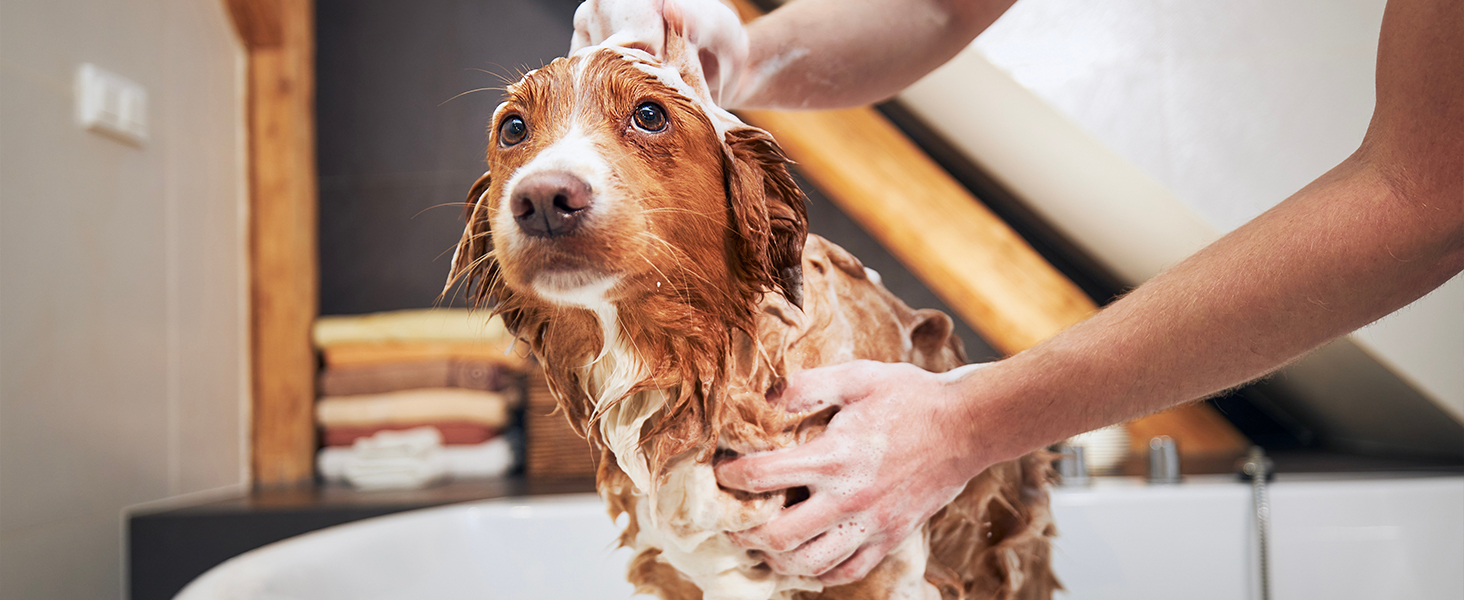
967,255
279,35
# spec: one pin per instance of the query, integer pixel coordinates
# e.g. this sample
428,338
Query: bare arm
1375,233
807,54
837,53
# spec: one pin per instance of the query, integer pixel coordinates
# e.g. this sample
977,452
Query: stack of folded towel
411,397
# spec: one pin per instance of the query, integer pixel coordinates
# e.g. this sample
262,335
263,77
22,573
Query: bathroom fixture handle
1258,468
1163,460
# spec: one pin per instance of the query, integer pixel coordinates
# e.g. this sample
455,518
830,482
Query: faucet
1163,460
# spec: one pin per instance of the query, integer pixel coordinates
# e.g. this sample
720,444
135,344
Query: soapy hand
708,25
891,457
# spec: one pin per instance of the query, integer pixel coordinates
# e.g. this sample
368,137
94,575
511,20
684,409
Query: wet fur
722,294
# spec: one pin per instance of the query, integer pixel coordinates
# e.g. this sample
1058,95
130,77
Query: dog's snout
550,204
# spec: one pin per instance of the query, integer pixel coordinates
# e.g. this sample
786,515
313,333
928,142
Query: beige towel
489,409
439,324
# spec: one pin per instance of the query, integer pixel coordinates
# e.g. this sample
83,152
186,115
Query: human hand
891,457
707,25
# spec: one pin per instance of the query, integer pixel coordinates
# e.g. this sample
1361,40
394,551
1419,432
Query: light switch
111,104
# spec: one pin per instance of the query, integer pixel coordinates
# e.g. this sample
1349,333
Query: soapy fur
691,291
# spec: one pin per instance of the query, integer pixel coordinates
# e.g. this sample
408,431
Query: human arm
1376,232
816,54
806,54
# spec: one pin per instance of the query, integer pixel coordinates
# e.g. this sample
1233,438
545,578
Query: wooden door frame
279,39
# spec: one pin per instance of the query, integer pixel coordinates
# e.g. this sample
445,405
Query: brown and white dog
653,252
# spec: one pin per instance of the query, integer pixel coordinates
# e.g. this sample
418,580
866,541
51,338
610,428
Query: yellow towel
414,406
438,324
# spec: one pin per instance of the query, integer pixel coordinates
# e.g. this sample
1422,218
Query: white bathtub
1333,538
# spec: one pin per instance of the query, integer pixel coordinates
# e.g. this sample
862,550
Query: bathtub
1331,537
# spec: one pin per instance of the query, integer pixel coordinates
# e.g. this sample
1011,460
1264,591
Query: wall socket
111,104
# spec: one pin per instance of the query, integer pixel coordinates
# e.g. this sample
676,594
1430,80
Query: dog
652,251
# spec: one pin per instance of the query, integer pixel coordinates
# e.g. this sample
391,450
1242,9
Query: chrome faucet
1072,466
1163,460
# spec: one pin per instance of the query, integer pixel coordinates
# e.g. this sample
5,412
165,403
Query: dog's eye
650,117
512,131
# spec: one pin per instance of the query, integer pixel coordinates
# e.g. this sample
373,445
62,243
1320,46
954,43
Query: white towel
412,458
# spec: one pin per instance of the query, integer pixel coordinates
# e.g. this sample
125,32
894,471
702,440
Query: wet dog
652,251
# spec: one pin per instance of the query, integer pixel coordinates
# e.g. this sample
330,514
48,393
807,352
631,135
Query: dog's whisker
442,205
482,89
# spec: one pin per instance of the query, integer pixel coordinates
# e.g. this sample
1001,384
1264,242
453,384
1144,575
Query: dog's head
612,181
619,196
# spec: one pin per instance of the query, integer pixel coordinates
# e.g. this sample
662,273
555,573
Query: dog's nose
549,203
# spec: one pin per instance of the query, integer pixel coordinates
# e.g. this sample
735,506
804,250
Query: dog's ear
769,212
477,241
933,341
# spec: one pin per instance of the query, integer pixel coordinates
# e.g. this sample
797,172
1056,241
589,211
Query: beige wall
122,296
1195,117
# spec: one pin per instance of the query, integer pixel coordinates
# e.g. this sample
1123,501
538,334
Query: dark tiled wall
396,147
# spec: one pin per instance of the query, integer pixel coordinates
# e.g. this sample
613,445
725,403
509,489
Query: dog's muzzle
550,204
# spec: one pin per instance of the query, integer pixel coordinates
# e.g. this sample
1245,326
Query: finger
820,555
777,470
792,528
814,389
582,22
856,567
674,16
730,67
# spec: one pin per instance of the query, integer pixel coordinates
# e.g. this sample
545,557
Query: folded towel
394,459
411,466
438,324
409,407
490,375
355,354
453,434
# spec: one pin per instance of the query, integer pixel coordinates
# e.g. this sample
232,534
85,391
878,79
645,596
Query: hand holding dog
893,455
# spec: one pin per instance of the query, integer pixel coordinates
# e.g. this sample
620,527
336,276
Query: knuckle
782,542
780,563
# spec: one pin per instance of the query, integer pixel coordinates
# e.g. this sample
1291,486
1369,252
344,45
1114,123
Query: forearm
1339,254
1382,229
837,53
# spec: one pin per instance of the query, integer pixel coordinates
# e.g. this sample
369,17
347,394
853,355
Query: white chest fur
686,516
